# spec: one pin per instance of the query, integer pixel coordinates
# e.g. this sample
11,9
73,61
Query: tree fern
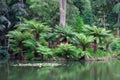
116,8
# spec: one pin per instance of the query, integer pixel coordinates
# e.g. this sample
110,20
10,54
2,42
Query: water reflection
69,71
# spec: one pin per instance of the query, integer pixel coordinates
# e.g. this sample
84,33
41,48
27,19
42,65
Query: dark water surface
68,71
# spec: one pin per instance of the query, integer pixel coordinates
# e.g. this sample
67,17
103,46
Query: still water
67,71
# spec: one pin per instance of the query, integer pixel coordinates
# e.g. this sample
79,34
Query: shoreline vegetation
63,30
52,63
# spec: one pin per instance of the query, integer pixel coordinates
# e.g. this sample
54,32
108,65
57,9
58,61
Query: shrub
67,51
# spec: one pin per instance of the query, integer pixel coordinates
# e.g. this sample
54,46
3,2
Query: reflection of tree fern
4,56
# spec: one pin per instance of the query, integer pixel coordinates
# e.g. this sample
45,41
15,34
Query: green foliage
33,26
47,52
116,8
116,26
16,37
48,11
86,54
98,33
72,13
65,32
67,50
100,53
85,11
79,25
31,44
36,36
84,40
115,45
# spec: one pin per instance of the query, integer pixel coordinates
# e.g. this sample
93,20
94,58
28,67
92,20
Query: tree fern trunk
107,46
38,40
42,57
35,53
21,55
66,56
58,41
95,46
84,48
38,37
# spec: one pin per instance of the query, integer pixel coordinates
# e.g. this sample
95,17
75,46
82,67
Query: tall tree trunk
118,31
104,19
62,12
95,46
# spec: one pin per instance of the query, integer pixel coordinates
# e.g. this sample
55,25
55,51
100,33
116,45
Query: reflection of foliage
4,55
70,71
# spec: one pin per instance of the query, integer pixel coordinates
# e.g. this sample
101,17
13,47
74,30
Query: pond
67,71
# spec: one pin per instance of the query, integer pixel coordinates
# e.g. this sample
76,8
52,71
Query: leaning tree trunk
62,12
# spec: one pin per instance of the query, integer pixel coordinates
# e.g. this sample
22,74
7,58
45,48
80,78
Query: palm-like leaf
15,37
84,40
34,27
30,44
4,28
67,50
98,33
44,50
19,36
116,8
63,32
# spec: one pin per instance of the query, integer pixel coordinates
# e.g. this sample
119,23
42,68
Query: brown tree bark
118,31
104,19
21,55
118,21
84,48
95,46
38,40
37,37
62,12
107,46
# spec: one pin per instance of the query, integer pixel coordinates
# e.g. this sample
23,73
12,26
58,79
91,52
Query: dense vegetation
59,29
